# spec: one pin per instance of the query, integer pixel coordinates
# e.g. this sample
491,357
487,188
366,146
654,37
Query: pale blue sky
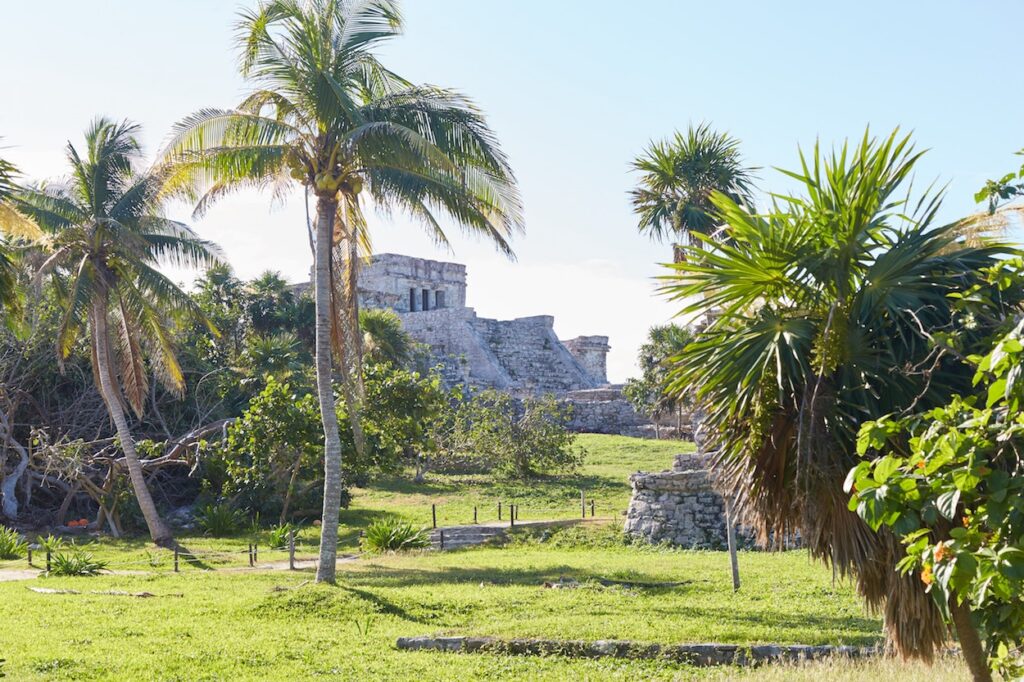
575,89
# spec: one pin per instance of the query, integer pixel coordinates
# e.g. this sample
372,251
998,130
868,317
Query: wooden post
175,559
433,514
583,504
474,515
47,561
250,554
255,554
441,535
29,556
291,550
730,535
511,515
591,508
499,510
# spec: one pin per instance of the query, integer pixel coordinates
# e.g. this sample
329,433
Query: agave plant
394,535
833,309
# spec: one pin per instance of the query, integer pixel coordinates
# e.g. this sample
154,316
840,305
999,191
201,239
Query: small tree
515,441
949,483
650,394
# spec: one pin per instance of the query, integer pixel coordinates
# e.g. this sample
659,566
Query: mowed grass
218,620
206,625
604,477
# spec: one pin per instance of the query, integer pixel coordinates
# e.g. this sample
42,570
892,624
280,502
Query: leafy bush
12,544
279,534
219,520
76,564
517,439
395,535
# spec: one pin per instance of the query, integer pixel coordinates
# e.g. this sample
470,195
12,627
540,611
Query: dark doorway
412,300
426,299
438,299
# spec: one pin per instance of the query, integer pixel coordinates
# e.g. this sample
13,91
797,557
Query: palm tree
270,302
833,308
678,177
105,235
326,115
12,225
383,337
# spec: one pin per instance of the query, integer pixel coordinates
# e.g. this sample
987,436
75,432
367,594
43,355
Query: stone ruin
680,507
523,356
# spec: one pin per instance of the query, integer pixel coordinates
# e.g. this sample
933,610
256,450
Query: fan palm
678,177
383,337
327,115
12,225
829,309
105,235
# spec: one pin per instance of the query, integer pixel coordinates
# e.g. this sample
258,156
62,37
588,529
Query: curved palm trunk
158,530
326,210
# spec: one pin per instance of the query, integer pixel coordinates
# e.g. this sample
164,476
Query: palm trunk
970,642
349,343
326,210
158,530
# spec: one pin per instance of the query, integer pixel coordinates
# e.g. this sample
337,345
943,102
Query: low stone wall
691,654
681,507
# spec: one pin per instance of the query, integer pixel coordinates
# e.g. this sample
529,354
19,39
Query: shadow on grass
719,607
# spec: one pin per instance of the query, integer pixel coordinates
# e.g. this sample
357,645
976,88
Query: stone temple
523,356
520,355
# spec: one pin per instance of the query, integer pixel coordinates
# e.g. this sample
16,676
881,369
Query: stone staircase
456,537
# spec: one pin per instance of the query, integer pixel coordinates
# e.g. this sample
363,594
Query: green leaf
886,467
947,503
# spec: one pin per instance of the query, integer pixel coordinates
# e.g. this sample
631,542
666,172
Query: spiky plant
384,338
325,115
106,235
678,177
834,308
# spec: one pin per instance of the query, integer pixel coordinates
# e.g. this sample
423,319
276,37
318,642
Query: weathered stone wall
681,507
522,356
605,410
592,354
406,284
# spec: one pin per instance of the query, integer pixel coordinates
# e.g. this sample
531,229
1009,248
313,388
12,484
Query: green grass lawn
211,623
604,477
260,625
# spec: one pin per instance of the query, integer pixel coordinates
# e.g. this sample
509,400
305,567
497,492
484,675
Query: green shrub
219,520
76,564
395,535
12,544
279,534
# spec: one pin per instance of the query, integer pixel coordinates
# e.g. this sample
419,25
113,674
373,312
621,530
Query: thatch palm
12,225
384,338
827,309
327,115
105,235
678,177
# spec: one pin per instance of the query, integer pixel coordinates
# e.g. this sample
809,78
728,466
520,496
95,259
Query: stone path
16,574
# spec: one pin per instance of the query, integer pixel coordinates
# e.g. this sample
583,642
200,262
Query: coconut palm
326,115
829,310
678,177
105,235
